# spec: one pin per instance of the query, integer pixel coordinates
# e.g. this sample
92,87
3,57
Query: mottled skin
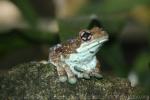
76,57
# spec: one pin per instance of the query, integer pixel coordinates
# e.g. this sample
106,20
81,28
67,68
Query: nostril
103,32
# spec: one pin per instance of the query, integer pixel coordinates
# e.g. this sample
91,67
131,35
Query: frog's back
63,50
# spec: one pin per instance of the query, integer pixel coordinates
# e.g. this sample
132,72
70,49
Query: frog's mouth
92,44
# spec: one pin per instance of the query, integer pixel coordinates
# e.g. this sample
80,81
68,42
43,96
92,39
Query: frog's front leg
61,73
65,72
96,72
71,76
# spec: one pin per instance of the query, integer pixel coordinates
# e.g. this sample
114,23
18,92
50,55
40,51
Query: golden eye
86,36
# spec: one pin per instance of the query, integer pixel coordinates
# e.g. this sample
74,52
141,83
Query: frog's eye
86,36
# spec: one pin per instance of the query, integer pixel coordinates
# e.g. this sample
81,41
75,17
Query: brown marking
60,70
65,49
70,46
58,49
69,73
97,32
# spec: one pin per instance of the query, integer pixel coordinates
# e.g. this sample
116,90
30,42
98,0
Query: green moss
39,81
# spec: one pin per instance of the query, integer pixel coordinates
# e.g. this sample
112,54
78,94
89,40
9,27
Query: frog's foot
86,76
71,77
96,75
61,74
62,78
83,75
72,80
80,75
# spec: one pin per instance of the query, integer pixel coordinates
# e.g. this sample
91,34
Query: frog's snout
104,33
103,39
105,36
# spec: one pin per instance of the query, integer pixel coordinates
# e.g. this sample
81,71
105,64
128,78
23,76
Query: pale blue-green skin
84,59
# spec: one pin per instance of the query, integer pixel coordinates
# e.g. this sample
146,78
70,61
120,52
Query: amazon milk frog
76,57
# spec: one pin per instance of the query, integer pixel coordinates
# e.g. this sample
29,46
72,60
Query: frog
76,58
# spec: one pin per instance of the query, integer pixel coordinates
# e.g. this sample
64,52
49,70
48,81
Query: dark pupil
85,36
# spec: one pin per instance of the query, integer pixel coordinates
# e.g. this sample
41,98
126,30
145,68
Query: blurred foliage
71,27
28,12
142,63
114,57
142,67
31,16
112,6
11,43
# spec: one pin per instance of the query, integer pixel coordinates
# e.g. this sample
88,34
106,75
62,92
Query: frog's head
92,39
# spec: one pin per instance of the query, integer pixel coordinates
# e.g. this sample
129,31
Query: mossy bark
40,82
